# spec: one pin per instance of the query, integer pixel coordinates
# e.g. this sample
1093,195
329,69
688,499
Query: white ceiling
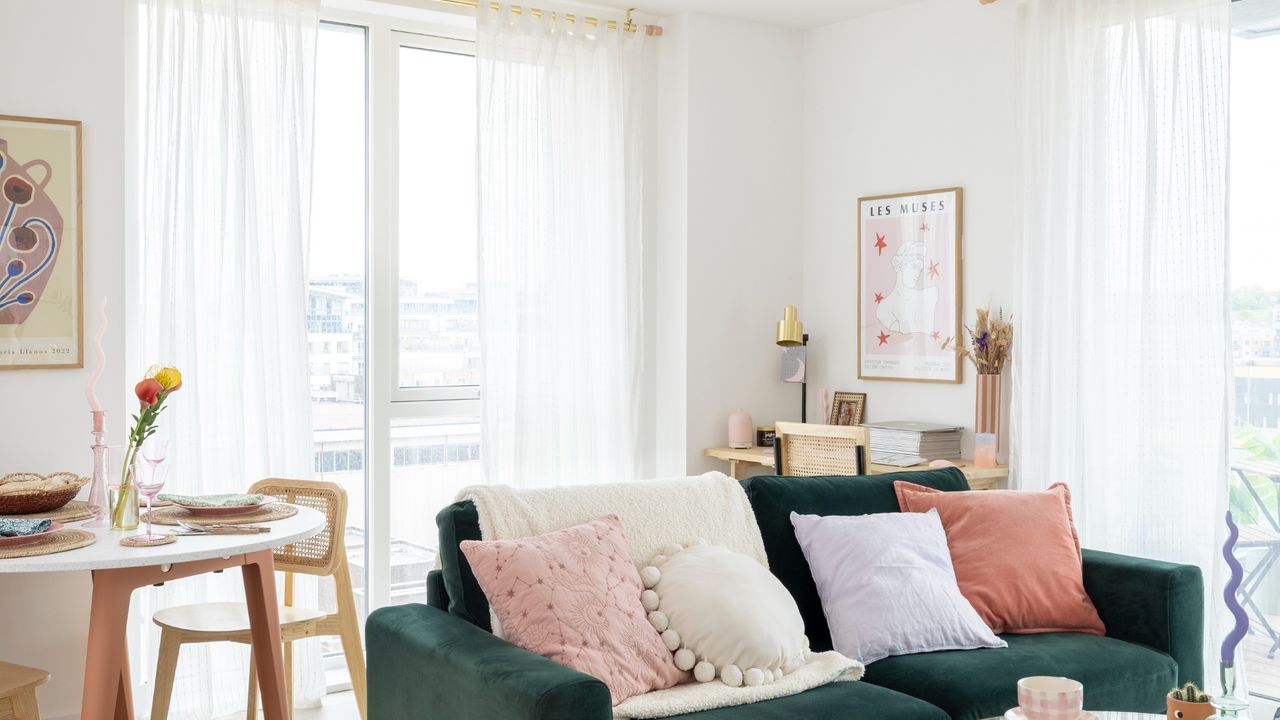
787,13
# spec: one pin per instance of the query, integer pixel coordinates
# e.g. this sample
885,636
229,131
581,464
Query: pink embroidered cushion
573,596
1016,556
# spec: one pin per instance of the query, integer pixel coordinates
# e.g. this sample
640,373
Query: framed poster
909,301
41,318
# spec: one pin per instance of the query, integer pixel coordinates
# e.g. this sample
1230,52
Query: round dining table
118,570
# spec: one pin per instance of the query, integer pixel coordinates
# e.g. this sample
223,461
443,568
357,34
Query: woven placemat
171,516
136,541
73,511
49,544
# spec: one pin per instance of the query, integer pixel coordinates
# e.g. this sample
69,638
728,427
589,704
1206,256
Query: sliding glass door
393,313
1255,325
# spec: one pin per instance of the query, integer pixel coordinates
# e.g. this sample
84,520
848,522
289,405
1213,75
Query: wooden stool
18,691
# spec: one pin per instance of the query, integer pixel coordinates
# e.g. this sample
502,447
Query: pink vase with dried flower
987,411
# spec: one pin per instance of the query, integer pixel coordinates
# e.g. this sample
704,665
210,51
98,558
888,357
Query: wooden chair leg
251,712
24,705
166,670
349,624
288,675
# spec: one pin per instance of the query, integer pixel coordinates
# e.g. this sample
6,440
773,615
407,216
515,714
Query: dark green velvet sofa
439,660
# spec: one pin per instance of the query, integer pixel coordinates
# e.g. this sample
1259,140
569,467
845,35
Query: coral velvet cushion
573,596
1016,556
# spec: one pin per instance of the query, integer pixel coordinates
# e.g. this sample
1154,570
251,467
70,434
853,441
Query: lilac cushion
887,585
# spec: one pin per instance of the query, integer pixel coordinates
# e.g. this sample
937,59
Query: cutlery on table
193,529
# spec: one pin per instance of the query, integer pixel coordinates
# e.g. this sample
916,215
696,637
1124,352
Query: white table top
108,553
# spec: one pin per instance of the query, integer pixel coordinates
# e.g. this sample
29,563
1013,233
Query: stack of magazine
905,442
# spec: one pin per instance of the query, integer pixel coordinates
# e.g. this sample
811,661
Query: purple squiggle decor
1233,638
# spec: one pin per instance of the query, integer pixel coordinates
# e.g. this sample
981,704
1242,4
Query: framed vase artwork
41,262
848,408
909,294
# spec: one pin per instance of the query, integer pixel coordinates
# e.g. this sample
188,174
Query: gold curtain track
626,26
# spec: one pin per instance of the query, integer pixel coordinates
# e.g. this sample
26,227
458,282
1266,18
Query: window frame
385,400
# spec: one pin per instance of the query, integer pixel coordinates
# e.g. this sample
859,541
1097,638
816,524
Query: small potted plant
1189,703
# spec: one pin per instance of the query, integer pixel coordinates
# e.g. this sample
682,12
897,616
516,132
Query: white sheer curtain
1121,380
225,143
559,195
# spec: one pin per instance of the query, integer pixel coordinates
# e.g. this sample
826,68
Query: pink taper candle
101,357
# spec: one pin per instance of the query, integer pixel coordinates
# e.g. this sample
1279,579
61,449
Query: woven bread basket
63,488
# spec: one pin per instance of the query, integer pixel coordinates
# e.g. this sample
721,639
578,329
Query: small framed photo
847,408
765,435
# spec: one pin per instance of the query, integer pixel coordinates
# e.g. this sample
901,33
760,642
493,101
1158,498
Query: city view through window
432,453
1255,329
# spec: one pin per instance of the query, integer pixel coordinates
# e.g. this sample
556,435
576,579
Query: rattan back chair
811,449
318,554
323,554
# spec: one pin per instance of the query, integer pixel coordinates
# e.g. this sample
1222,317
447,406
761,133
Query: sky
437,120
1255,162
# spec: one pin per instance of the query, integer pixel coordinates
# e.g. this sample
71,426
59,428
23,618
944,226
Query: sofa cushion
455,523
773,499
833,700
1016,556
972,684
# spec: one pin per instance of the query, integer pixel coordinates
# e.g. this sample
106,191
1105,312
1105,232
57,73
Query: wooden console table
740,459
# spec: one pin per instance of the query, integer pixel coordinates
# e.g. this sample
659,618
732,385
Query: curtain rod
626,26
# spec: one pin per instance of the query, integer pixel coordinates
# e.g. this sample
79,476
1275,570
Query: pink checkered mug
1050,698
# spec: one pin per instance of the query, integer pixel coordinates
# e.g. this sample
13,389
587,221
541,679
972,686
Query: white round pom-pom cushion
728,615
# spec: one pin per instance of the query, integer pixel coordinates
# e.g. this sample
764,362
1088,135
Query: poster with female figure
909,274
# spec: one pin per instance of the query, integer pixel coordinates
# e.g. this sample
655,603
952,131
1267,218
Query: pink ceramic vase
30,235
740,430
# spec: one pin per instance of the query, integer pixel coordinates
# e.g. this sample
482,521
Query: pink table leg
124,694
264,623
107,690
106,667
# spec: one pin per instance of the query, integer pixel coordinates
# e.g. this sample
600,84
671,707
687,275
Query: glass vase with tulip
155,388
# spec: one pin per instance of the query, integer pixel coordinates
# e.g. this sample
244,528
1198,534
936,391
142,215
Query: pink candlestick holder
98,504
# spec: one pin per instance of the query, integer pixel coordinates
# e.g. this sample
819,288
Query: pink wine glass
154,451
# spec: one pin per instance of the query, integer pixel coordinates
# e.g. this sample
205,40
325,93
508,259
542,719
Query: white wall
731,227
913,98
70,57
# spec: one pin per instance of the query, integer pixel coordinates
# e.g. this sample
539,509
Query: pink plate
225,511
25,539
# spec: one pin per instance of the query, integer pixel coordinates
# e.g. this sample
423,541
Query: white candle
89,391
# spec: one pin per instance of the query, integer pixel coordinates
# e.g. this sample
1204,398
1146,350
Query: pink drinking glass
151,481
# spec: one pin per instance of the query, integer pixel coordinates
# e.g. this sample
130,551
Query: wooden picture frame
910,298
41,243
848,408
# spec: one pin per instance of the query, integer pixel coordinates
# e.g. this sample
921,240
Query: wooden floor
338,706
1264,672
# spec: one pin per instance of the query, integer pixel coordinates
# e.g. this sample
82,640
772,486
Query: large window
1255,316
393,313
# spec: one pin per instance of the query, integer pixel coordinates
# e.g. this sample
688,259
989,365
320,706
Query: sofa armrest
1153,603
425,663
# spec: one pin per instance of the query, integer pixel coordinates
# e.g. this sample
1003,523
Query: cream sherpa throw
821,669
654,513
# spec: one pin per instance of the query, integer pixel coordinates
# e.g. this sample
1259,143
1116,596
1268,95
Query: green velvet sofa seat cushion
853,700
773,499
972,684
